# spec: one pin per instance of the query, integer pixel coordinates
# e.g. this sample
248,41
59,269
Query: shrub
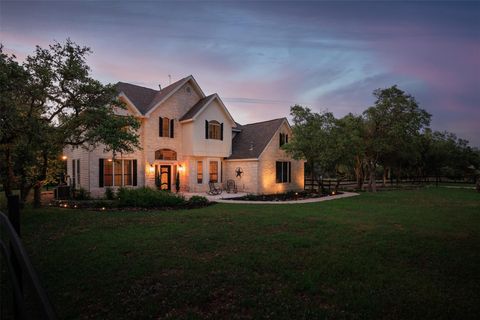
109,194
148,198
198,201
82,194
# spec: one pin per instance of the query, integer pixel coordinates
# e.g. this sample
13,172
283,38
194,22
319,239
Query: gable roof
146,100
196,108
202,105
254,138
139,96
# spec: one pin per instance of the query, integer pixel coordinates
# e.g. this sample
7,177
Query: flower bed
136,199
288,196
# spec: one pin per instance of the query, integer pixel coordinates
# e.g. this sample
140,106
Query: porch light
151,168
64,157
109,160
180,168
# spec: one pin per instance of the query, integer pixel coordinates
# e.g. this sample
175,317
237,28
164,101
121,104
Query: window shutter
289,171
221,131
286,138
206,129
172,135
100,173
134,182
280,139
160,127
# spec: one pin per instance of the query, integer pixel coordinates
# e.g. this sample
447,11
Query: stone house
186,132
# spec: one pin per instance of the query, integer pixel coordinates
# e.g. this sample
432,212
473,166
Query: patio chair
213,190
231,186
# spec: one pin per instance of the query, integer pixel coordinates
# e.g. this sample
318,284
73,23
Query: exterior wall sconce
180,168
151,168
64,157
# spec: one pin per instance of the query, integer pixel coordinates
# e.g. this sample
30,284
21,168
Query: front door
165,178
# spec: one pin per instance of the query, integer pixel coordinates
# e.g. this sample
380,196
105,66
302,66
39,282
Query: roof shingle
253,139
143,98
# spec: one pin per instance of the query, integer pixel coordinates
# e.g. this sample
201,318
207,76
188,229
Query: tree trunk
359,174
373,182
385,171
37,195
9,178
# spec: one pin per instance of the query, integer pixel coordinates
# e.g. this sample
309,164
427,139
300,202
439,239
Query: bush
148,198
198,201
109,194
82,194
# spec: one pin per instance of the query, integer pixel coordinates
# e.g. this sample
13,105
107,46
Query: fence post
14,217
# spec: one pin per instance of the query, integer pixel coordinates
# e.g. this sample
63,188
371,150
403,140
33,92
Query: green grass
391,255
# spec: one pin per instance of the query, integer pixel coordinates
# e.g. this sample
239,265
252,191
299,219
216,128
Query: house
186,132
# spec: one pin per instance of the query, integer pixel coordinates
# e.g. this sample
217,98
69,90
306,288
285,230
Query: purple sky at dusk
263,57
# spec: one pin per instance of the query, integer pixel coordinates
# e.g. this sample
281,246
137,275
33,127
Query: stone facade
191,147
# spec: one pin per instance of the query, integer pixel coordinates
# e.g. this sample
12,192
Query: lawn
390,255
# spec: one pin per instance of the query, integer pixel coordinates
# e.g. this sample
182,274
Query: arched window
165,154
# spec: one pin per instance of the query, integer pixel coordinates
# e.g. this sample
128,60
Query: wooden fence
352,184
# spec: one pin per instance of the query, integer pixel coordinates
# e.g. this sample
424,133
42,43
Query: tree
349,135
390,127
312,139
59,105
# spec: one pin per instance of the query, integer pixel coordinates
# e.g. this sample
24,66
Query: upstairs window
283,139
165,154
166,127
213,130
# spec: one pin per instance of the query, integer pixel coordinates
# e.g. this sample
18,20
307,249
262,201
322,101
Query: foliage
51,102
414,252
109,193
82,194
148,198
198,201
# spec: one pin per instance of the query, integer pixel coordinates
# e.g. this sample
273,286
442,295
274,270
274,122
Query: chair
213,190
231,186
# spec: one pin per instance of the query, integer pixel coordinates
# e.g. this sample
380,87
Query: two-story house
186,132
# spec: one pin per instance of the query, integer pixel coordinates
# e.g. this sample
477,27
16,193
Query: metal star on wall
239,172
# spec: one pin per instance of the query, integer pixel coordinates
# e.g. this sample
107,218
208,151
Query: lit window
165,154
200,172
118,173
213,171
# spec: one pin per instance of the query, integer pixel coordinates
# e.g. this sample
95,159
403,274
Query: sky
263,57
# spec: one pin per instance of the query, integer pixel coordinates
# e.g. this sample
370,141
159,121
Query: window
199,172
108,173
165,154
118,173
283,139
213,130
166,127
127,172
213,171
283,172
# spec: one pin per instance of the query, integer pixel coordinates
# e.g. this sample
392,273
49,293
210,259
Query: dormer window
283,139
213,130
166,127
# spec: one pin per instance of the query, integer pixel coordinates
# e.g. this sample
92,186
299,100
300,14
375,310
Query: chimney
159,86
